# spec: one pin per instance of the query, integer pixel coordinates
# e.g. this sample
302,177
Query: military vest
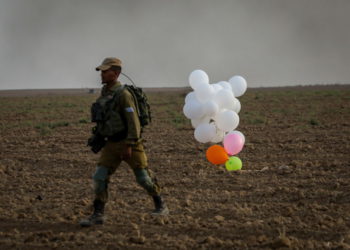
109,121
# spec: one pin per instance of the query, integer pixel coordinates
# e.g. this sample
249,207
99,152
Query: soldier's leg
138,163
144,178
101,180
106,166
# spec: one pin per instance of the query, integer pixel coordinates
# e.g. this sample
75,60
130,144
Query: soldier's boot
96,217
160,207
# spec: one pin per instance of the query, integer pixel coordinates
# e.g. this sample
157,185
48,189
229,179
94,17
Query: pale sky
58,43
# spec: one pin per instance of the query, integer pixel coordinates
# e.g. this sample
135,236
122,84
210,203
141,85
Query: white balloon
239,133
211,108
239,85
237,107
225,99
216,87
227,120
225,85
205,132
204,93
190,97
197,78
193,110
219,136
202,120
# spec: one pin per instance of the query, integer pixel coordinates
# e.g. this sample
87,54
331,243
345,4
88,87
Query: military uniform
121,128
110,157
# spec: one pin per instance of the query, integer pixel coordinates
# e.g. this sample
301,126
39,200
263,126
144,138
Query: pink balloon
233,143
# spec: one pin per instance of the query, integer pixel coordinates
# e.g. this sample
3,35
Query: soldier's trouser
110,160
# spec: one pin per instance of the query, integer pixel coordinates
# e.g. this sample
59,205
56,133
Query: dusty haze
57,44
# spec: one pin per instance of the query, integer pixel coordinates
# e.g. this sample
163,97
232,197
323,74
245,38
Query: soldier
122,143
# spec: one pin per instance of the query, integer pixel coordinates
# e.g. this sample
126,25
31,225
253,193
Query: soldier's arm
129,111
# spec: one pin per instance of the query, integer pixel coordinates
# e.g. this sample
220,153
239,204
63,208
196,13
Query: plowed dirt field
293,191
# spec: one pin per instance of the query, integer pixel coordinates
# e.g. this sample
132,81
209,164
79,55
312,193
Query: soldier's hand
126,154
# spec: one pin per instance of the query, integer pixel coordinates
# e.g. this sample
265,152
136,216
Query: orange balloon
216,155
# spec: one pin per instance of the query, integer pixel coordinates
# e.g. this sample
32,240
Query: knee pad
144,180
100,179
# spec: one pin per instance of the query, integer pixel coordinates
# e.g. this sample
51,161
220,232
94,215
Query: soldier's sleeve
128,108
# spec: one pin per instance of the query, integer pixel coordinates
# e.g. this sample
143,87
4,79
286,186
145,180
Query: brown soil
293,191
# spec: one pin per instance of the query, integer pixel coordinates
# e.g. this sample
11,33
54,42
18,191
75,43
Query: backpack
142,105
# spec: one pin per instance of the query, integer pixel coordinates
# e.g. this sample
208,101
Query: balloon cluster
213,110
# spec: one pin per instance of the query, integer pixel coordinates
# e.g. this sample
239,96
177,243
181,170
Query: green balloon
233,164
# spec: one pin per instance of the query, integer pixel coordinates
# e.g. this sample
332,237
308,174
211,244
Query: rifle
96,141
